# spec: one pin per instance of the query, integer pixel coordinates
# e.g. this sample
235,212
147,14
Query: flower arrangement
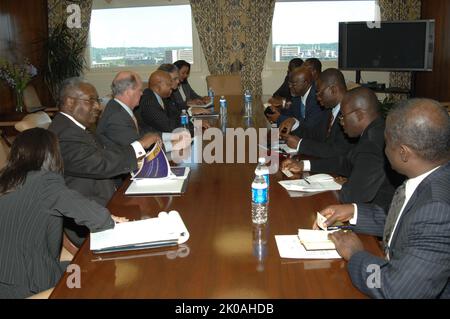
17,76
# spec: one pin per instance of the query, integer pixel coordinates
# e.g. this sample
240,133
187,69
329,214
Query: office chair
225,84
38,119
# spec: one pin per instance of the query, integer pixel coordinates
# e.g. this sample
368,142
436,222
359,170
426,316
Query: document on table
313,183
289,246
167,229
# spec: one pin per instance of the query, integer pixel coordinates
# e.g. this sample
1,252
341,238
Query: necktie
135,123
396,205
330,124
302,109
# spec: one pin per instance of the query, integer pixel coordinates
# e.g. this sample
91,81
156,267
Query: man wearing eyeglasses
303,115
365,165
89,166
331,89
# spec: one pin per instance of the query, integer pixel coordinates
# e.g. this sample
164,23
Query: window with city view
140,36
310,29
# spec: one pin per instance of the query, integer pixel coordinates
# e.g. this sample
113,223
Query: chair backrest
352,85
229,84
38,119
4,152
31,99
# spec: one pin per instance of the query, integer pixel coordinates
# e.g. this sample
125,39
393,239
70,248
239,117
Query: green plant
65,57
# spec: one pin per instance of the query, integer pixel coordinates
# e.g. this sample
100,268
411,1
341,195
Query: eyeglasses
319,93
92,100
341,117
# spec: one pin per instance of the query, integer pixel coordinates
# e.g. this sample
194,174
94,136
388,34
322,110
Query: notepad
168,229
176,184
289,246
313,183
315,239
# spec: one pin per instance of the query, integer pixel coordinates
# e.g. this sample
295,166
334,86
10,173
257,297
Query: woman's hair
33,150
181,63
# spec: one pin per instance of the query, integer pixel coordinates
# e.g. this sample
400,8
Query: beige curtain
57,14
400,10
234,35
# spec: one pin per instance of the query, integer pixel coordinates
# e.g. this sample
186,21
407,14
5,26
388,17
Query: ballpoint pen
306,180
343,227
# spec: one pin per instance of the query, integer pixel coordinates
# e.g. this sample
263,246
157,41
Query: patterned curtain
57,14
234,35
400,10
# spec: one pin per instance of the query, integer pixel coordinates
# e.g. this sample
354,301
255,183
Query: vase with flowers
17,76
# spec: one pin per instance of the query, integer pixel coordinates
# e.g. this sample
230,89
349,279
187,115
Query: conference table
226,255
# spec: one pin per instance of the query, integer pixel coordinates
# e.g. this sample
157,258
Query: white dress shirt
410,187
304,98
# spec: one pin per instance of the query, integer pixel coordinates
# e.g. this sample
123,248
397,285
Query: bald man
368,178
118,125
416,229
89,166
303,115
154,113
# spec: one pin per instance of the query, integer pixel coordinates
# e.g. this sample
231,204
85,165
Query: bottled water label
259,195
184,120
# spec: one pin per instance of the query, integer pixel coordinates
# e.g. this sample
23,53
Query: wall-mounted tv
394,46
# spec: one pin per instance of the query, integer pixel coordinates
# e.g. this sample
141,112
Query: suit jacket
189,92
116,126
366,168
177,99
419,265
31,228
315,123
284,91
154,117
336,144
88,166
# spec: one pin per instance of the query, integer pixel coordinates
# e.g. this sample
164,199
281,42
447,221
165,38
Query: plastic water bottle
259,242
260,200
211,95
223,107
184,119
264,169
247,104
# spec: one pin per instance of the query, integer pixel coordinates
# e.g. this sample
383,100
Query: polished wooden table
225,256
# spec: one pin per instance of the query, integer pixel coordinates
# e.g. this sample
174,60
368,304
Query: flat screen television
394,46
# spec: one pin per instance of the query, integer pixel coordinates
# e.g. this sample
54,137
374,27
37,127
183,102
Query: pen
306,180
343,227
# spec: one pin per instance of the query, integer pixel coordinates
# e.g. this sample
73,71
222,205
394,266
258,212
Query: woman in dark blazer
33,201
187,93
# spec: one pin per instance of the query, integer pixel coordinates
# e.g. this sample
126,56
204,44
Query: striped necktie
396,206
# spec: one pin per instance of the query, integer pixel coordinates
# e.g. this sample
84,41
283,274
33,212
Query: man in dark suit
303,115
416,230
89,167
154,110
284,91
364,166
331,89
117,124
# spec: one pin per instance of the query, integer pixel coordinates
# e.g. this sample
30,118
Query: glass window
308,29
140,36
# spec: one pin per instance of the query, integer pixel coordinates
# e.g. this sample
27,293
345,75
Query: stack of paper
289,246
315,239
313,183
167,229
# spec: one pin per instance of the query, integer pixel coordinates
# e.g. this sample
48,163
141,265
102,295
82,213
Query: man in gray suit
118,125
89,166
416,229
